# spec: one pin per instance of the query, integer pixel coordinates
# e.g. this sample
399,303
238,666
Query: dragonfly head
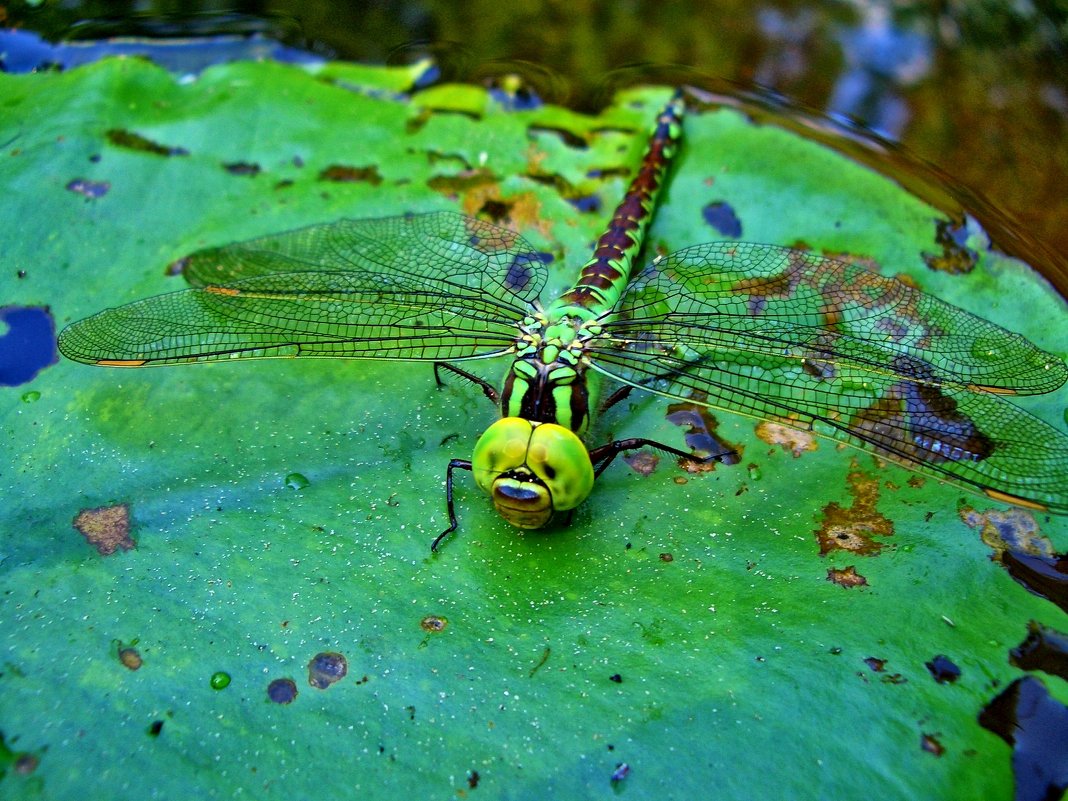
532,470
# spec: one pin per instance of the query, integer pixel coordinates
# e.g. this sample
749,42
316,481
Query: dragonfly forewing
423,287
821,344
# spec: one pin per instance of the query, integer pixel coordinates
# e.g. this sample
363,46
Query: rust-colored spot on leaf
462,182
791,439
433,623
343,173
931,744
130,658
877,665
1011,530
134,141
107,528
1023,551
852,528
847,577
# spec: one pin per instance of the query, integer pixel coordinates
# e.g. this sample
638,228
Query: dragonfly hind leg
487,388
604,455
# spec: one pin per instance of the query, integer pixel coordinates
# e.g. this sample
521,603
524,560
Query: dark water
980,90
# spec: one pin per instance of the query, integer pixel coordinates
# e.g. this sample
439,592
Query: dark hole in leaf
326,668
343,173
721,216
1046,576
91,189
1036,726
29,344
943,669
588,204
282,691
1044,649
242,168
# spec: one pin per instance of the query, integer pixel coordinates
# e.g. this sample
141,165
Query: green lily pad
761,629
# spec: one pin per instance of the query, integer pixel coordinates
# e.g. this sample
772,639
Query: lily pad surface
218,581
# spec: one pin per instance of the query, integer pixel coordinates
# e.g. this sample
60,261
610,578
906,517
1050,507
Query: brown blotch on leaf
931,744
1023,551
877,665
956,256
134,141
343,173
847,577
642,462
463,182
327,668
107,528
1011,530
433,623
130,658
852,528
791,439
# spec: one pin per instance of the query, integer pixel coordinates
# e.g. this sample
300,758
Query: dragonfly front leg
487,389
463,464
616,397
603,456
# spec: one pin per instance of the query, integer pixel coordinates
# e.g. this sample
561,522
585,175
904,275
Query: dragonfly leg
616,397
604,455
462,464
487,389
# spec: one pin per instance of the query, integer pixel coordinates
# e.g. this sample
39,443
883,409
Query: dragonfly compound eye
532,470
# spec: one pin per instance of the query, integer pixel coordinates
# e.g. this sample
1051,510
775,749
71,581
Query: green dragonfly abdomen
548,382
603,278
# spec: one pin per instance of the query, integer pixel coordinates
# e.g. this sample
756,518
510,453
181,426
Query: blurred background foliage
977,87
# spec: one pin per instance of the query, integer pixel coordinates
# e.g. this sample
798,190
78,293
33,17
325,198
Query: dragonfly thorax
547,382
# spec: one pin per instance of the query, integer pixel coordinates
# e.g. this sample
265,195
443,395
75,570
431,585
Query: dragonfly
772,332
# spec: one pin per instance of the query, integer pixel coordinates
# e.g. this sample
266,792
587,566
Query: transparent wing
822,344
428,287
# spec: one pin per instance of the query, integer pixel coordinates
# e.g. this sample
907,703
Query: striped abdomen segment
604,276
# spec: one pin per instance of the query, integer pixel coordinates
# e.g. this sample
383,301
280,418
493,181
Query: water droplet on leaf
297,481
